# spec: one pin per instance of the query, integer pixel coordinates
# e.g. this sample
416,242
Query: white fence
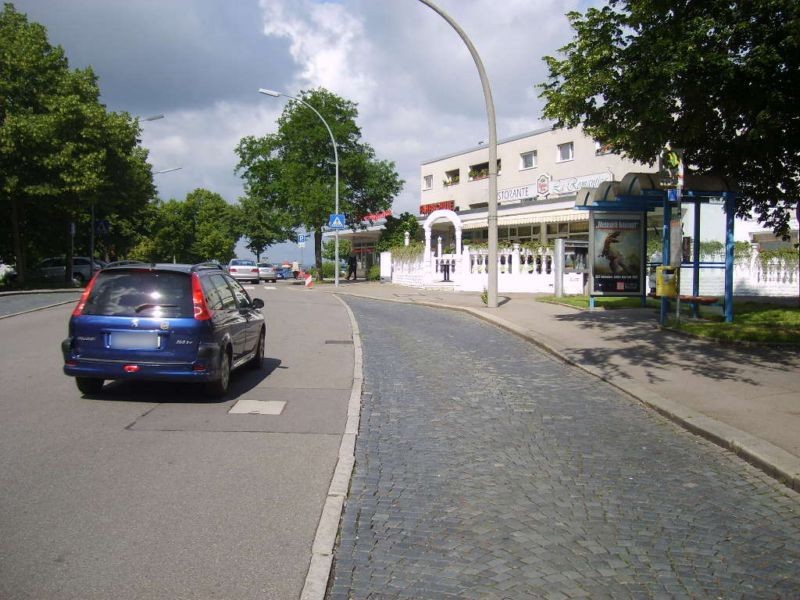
526,271
518,270
752,277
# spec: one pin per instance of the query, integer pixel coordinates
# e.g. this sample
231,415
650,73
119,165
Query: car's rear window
141,294
243,262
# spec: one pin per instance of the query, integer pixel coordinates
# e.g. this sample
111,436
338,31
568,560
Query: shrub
413,251
374,273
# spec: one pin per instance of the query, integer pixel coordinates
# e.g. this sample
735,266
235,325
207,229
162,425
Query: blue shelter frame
612,197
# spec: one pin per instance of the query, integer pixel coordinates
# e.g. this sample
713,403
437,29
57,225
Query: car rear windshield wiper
142,307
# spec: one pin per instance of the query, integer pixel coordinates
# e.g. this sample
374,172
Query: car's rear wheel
89,385
219,387
258,360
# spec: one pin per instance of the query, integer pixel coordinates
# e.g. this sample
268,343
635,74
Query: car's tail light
131,368
201,310
84,297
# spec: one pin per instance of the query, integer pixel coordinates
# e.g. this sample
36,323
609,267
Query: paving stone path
487,469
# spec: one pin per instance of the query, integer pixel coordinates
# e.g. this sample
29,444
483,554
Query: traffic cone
309,280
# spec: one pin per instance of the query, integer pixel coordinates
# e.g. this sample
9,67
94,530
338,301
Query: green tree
202,227
166,233
294,169
61,152
719,79
215,226
329,249
262,224
394,231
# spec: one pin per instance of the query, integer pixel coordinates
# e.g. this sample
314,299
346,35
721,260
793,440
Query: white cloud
416,84
201,62
202,142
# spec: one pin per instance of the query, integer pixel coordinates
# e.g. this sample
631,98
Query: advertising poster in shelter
617,254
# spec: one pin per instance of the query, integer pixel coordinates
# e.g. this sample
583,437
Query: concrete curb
316,583
38,308
774,461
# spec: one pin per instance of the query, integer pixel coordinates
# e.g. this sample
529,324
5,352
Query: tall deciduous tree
293,170
719,78
262,224
202,227
61,151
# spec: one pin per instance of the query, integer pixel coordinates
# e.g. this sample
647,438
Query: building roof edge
512,138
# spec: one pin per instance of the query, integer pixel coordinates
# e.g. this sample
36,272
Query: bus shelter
615,207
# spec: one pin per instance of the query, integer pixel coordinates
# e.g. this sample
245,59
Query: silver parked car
243,269
267,272
53,268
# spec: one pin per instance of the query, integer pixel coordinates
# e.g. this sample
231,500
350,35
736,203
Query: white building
539,174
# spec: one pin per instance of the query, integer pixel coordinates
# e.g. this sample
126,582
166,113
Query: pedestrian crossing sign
336,222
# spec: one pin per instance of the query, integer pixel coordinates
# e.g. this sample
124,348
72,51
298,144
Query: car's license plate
130,340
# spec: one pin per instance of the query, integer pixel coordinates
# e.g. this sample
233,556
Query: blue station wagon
163,322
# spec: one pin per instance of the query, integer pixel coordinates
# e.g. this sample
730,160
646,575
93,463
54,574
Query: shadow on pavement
242,381
634,337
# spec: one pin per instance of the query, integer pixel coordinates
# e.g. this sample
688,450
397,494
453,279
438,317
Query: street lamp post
275,94
492,208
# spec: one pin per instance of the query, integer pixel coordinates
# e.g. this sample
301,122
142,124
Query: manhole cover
257,407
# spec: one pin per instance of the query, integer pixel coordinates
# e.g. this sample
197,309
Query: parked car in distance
243,269
7,273
53,268
267,272
163,322
286,273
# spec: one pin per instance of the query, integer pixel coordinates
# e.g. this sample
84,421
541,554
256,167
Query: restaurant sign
426,209
546,186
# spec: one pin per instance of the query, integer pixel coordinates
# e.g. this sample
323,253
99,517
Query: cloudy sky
201,62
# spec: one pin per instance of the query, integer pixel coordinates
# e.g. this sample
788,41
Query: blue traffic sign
301,238
336,222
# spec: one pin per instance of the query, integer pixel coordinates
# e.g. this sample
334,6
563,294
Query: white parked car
266,271
244,269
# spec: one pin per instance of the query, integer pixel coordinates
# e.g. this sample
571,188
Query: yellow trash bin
667,281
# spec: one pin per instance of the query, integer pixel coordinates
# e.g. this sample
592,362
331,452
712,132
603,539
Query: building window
600,149
451,177
427,182
481,170
565,152
527,160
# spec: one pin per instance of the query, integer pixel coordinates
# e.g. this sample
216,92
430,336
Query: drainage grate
339,341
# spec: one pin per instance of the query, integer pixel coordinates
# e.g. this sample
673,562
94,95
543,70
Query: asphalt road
150,491
486,469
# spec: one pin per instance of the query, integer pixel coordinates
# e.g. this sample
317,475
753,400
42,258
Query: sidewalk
746,399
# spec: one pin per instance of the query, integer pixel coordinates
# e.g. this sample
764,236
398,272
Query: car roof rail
206,265
122,263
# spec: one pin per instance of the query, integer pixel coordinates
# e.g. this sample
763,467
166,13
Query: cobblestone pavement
487,469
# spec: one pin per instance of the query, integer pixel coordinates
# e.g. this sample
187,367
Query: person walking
352,263
295,269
